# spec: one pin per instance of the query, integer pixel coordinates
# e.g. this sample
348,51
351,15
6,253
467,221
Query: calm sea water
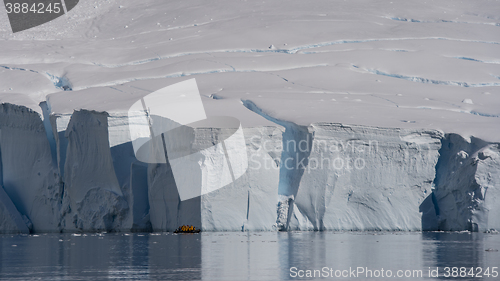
249,256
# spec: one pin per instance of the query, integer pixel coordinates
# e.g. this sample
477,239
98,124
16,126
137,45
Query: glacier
360,115
325,176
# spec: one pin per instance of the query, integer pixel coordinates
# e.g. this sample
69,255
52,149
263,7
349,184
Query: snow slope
414,84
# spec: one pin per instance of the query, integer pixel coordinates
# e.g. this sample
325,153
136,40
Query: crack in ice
477,60
61,83
427,80
185,74
440,21
288,51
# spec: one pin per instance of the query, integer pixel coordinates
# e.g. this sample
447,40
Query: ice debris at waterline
78,172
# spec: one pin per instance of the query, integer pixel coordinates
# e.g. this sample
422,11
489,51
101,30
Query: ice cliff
467,185
77,172
29,175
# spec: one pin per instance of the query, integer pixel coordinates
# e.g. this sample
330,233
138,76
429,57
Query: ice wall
93,200
342,177
114,198
11,220
78,173
248,203
30,177
361,178
467,185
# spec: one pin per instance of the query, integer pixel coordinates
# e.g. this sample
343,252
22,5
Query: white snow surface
376,63
419,81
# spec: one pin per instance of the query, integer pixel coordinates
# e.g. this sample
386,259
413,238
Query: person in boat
186,228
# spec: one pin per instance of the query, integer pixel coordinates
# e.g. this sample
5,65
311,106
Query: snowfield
357,115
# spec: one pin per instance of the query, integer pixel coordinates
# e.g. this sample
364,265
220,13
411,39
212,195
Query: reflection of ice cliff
78,173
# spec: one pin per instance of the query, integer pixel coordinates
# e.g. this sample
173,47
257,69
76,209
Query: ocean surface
251,256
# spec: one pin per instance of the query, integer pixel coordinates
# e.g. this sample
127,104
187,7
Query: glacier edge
82,176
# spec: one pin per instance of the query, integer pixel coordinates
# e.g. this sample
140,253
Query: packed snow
356,115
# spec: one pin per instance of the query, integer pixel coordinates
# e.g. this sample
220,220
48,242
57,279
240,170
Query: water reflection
240,256
237,256
463,249
344,252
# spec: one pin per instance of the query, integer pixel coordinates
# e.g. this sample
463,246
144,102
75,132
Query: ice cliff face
467,185
360,178
248,203
29,176
11,220
90,179
78,172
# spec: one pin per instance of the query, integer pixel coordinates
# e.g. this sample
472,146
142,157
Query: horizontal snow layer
377,63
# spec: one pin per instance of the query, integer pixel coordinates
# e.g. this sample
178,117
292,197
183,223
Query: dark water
247,256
